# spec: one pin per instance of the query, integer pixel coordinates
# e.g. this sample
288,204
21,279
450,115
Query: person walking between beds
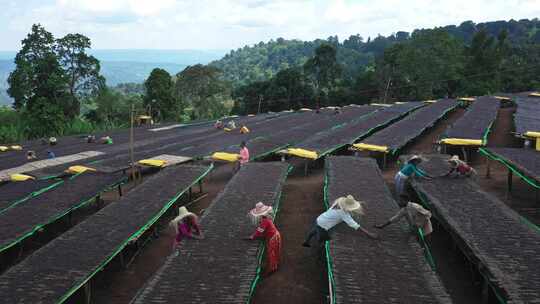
244,154
416,216
186,226
409,170
340,211
262,216
459,168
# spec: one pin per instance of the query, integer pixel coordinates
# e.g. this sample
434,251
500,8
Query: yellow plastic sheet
302,153
3,148
532,134
368,147
462,142
467,99
230,157
153,162
502,98
535,94
227,129
20,177
430,101
79,169
16,148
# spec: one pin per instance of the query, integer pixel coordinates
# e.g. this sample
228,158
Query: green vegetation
58,88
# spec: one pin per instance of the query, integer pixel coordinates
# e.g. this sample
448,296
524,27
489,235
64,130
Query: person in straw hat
340,211
416,216
262,216
185,225
409,170
459,168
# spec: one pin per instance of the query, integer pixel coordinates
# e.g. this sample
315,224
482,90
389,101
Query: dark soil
302,275
121,286
523,198
224,258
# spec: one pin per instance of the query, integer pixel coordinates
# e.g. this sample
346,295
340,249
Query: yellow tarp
227,129
532,134
144,117
467,99
153,162
430,101
3,148
462,142
368,147
305,109
16,148
535,94
230,157
20,177
502,98
302,153
79,169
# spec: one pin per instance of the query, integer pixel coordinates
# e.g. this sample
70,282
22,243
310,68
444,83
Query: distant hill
124,66
262,60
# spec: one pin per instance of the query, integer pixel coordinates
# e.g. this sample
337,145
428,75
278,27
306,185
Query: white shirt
332,217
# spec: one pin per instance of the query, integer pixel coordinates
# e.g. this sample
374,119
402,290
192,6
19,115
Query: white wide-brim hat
183,213
454,158
260,210
349,204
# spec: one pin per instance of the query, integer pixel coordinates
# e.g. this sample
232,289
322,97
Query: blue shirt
410,169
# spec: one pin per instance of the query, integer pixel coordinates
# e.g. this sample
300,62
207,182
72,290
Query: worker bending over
416,216
459,168
340,211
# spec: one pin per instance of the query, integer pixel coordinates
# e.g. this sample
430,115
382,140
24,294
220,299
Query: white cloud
170,24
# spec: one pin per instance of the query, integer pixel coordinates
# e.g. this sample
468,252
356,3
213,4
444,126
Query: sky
230,24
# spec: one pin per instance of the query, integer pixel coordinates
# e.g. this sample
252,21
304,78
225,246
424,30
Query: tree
159,95
323,69
82,70
201,89
38,85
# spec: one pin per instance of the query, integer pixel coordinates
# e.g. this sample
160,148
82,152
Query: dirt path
451,267
301,277
523,198
120,286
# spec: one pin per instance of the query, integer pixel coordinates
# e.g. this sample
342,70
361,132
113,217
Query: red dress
269,232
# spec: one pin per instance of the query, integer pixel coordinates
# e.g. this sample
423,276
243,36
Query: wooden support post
200,186
119,189
384,161
488,168
190,193
509,181
122,260
88,293
485,291
306,165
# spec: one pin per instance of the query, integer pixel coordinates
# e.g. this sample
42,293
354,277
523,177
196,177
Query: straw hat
260,210
415,157
183,212
349,204
454,158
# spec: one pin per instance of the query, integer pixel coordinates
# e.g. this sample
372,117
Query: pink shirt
244,155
